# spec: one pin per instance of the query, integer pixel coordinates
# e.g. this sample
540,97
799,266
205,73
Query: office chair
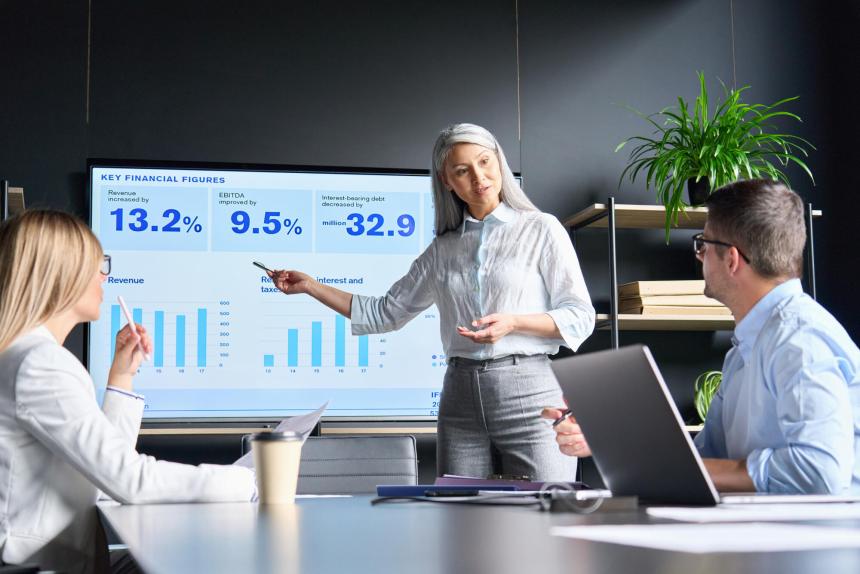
353,464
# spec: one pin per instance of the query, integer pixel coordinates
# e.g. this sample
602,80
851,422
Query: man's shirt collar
748,329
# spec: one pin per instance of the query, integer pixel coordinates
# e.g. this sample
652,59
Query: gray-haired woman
509,290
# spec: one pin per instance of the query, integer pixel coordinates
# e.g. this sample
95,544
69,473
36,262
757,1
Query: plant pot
698,192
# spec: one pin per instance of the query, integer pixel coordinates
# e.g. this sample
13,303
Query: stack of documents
667,298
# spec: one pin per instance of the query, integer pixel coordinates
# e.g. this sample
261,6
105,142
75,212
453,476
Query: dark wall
370,84
324,82
581,64
43,130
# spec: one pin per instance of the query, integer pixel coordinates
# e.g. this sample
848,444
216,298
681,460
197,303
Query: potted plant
704,389
707,150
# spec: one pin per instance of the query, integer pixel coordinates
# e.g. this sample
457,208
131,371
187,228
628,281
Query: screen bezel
250,421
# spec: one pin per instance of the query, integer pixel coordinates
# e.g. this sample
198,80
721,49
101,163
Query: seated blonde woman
58,449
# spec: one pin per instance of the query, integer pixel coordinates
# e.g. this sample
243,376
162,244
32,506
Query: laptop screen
633,427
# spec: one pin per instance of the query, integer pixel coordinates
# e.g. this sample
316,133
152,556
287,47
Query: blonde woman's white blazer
58,449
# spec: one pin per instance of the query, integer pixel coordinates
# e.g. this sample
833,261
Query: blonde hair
47,259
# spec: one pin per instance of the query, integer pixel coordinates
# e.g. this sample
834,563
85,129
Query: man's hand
569,436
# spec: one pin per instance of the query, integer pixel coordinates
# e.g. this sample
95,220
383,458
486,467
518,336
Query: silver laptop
636,434
633,427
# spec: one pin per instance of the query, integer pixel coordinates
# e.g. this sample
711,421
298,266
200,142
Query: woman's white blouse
58,449
518,262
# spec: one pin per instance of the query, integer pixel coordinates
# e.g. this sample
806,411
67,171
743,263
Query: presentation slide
226,342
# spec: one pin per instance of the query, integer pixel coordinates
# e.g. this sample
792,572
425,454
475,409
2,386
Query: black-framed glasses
699,242
105,268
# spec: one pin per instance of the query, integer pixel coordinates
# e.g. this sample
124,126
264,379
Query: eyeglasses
105,267
699,242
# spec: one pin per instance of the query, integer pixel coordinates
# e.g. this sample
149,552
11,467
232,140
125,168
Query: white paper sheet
759,512
302,424
702,538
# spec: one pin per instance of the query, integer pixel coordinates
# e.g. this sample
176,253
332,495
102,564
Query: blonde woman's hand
291,282
128,356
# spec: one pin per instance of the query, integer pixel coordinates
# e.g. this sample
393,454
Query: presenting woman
509,290
58,449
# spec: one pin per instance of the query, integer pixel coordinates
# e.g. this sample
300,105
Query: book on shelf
680,300
642,288
676,310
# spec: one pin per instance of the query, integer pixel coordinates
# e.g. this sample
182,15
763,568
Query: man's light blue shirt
789,402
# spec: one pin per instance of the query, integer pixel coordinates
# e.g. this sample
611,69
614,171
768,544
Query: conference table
349,535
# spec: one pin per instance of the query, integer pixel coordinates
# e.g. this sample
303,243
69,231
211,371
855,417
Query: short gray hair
449,207
764,219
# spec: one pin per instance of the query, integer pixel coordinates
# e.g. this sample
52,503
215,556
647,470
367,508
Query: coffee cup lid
285,435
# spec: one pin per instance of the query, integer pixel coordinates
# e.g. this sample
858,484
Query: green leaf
691,141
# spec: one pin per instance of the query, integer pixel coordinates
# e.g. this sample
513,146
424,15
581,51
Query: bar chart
179,332
225,341
319,343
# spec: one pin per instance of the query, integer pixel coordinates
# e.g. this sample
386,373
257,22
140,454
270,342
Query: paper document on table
703,538
302,424
758,512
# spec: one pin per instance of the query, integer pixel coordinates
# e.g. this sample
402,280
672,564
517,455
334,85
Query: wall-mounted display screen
183,237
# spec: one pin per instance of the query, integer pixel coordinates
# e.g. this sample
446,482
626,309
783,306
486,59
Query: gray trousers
489,420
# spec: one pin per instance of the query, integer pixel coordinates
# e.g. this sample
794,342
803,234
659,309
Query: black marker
563,416
263,267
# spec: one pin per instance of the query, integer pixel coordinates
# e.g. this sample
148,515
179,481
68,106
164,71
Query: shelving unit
612,216
629,216
668,322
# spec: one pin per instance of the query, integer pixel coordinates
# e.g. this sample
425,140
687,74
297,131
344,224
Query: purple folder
490,483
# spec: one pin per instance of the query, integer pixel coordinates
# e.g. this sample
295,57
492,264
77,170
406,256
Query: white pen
132,326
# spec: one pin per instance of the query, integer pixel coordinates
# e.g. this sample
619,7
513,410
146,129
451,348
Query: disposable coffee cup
276,461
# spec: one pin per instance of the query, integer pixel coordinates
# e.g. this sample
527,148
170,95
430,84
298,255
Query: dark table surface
348,535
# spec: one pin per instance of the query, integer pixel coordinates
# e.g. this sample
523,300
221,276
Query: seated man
787,416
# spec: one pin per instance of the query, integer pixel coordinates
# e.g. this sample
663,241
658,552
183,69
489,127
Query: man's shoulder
804,324
806,315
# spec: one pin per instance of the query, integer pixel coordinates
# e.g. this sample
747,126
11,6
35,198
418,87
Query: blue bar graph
180,340
114,328
340,358
159,339
339,341
201,337
171,330
316,344
293,348
362,351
